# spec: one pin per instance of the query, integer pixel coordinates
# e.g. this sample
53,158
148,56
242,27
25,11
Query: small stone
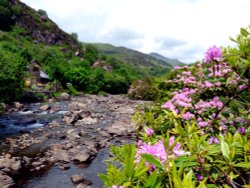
56,147
45,107
54,124
64,166
77,178
18,105
8,156
64,96
82,156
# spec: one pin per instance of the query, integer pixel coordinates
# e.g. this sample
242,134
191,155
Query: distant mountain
134,57
173,62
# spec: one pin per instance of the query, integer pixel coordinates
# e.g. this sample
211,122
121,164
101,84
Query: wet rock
65,96
11,141
64,166
51,100
125,110
7,156
84,113
76,106
119,128
104,143
61,155
18,105
57,147
71,120
77,178
82,156
81,185
6,181
87,121
45,107
104,134
26,122
10,165
73,134
54,124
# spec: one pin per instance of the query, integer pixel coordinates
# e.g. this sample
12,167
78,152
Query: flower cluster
202,106
149,132
158,151
213,76
115,186
213,54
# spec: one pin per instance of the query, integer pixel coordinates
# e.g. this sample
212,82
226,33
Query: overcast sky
180,29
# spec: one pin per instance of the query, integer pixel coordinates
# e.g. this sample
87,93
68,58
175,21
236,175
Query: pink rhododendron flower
158,151
213,140
188,116
203,124
199,177
117,186
244,86
213,54
149,132
242,130
177,67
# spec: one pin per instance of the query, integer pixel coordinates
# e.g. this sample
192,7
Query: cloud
170,27
170,42
121,36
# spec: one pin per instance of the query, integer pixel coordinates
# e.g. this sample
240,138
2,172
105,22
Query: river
44,145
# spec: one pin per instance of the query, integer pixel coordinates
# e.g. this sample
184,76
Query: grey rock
77,178
82,156
6,181
45,107
61,155
26,122
73,134
64,96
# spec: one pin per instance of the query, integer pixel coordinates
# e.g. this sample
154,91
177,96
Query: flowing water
31,119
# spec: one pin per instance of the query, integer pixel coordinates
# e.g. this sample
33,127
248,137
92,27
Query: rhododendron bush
198,134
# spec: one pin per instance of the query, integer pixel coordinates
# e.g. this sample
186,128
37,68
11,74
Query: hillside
36,55
173,62
131,56
35,24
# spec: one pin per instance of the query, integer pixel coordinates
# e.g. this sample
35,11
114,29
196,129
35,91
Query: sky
177,29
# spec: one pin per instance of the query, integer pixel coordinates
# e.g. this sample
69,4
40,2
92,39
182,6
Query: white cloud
176,28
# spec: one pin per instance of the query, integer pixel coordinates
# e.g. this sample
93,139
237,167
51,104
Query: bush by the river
197,133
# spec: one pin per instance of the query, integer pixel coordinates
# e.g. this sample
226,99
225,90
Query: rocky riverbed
62,144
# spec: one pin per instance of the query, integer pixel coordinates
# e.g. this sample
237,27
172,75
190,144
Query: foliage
8,13
61,65
12,72
199,136
42,12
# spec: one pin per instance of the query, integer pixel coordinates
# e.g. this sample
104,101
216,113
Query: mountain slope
35,24
173,62
131,56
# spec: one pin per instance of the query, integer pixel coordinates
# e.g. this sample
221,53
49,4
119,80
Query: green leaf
141,169
244,32
242,165
225,149
152,160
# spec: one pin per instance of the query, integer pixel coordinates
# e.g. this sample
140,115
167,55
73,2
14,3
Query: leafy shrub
11,76
199,137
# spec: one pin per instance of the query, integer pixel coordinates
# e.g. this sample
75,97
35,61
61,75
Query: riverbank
65,150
